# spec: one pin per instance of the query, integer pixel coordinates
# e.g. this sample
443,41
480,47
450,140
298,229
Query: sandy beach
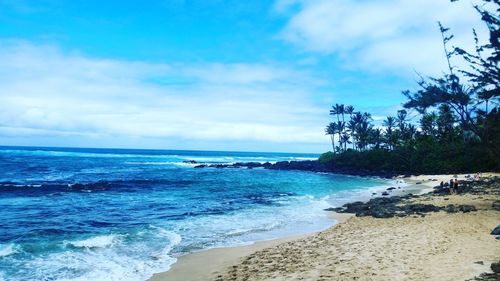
434,246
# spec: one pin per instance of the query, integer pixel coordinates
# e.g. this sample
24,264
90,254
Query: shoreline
194,265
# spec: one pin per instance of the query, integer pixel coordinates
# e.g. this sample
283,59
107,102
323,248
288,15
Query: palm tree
367,116
376,137
341,110
363,133
402,114
344,139
335,111
340,129
349,110
389,123
351,125
331,130
428,124
411,131
358,117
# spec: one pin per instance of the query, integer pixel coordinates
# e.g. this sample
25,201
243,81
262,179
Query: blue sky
212,75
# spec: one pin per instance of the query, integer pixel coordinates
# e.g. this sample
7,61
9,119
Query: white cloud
396,35
47,93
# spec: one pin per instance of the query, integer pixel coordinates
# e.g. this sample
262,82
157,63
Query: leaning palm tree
331,130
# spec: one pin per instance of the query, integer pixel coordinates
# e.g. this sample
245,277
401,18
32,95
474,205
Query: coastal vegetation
455,119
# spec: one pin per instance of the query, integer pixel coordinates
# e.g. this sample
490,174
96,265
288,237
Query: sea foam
102,241
7,250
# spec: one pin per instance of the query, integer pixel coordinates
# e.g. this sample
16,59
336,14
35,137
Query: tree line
459,121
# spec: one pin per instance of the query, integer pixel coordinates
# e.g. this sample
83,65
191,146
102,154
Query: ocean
124,214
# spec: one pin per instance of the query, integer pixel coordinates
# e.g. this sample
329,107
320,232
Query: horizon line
150,149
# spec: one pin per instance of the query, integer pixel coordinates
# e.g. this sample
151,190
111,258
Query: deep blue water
114,214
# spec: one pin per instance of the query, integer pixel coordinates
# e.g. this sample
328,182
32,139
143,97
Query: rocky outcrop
396,206
306,165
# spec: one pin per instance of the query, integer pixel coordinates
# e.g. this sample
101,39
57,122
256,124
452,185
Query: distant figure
451,186
455,186
441,185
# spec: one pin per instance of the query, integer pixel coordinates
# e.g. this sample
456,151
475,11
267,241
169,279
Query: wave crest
101,241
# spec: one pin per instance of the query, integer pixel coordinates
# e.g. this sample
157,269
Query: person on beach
451,186
455,186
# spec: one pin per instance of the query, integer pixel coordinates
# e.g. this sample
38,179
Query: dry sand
439,246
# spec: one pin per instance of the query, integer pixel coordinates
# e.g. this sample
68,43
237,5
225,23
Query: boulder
451,209
467,208
496,205
420,208
496,230
495,267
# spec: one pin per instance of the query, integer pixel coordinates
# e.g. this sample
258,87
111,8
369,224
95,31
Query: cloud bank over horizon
46,92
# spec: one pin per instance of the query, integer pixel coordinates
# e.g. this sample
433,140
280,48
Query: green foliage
326,157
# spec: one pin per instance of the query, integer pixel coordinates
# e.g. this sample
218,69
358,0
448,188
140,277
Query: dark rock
418,182
391,188
267,165
460,208
308,165
385,193
495,267
496,205
355,207
420,208
200,166
479,262
380,212
467,208
337,209
219,166
496,230
189,162
451,209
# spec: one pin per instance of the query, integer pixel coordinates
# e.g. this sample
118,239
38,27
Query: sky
212,74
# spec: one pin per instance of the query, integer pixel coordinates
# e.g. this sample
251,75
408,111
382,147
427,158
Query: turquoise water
108,214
